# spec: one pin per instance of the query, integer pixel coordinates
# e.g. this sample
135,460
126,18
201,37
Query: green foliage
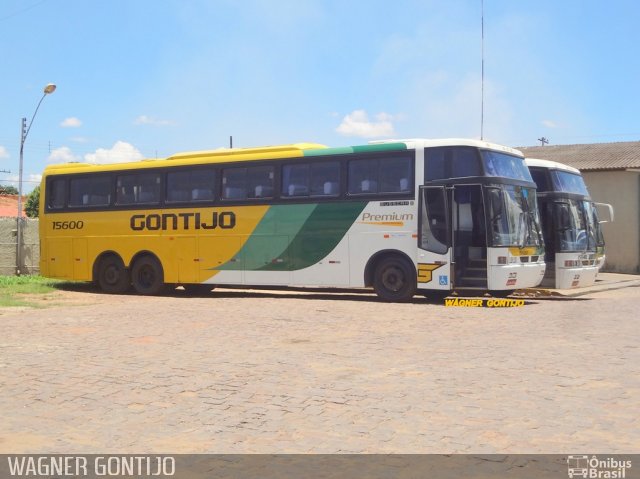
11,287
33,201
8,190
26,284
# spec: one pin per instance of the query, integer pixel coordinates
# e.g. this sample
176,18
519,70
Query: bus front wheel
113,277
395,279
147,276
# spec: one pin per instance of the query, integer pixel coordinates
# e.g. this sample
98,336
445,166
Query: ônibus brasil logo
594,467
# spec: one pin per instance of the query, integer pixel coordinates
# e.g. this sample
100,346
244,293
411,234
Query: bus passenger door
434,239
469,243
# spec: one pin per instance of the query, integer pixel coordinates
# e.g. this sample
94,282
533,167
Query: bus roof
295,150
221,155
430,143
551,165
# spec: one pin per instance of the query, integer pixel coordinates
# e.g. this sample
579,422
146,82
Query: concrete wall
30,248
622,237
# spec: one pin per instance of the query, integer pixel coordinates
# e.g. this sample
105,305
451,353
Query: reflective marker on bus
401,216
571,226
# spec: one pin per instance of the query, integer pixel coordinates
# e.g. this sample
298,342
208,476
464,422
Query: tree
33,201
8,190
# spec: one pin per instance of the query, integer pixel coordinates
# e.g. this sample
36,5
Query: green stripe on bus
320,234
271,236
379,147
396,146
328,151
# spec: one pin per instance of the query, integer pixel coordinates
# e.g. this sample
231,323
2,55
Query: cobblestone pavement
250,372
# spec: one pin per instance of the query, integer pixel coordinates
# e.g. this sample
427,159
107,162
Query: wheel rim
393,278
112,275
146,277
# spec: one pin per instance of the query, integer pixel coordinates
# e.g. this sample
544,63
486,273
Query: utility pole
24,132
543,141
482,74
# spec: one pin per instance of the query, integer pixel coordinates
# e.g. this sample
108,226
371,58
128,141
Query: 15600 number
68,225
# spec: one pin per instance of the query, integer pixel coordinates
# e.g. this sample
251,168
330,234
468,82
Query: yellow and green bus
405,217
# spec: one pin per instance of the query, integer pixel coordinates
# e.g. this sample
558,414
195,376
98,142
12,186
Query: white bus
573,236
404,216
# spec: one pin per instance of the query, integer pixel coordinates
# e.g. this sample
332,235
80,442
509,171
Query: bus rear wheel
113,277
147,276
395,280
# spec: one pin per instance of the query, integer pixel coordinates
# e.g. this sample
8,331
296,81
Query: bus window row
319,179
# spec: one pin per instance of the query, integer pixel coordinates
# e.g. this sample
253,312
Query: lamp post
24,131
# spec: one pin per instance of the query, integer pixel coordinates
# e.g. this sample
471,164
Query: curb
542,293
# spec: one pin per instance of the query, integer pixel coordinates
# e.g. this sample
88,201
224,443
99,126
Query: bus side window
325,179
260,181
394,175
138,188
435,166
233,184
363,176
434,233
541,179
56,193
464,162
90,191
295,180
190,185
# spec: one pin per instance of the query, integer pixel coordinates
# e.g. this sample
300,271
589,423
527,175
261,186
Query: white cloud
35,178
120,152
62,155
71,122
149,120
357,123
4,154
549,123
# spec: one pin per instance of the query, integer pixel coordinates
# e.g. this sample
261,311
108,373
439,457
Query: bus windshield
577,225
568,182
513,216
508,166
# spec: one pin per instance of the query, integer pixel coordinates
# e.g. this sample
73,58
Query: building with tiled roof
590,157
612,174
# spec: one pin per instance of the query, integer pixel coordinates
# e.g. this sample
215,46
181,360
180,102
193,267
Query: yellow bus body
71,253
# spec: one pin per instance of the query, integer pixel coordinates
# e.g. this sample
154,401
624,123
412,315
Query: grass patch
12,287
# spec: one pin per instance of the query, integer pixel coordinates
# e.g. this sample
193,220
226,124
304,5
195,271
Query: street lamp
24,131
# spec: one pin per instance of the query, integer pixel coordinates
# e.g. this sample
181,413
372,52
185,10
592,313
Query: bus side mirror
607,207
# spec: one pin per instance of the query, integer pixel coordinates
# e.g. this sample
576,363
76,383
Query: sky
151,78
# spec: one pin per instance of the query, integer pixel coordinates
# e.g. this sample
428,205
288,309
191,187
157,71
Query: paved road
260,372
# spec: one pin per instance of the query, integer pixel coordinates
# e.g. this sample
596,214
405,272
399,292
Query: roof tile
593,156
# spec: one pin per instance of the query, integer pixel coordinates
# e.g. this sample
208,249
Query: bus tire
147,276
113,277
394,279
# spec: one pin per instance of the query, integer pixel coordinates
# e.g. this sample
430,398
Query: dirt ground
240,371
